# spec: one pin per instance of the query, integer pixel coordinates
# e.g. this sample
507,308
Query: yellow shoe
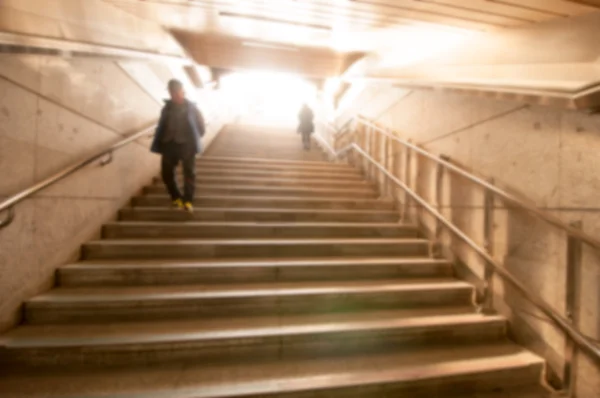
178,204
188,207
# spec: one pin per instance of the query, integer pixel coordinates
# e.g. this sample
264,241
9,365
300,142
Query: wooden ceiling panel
401,10
515,11
440,10
229,53
558,7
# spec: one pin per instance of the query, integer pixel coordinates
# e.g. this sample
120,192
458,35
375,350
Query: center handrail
8,204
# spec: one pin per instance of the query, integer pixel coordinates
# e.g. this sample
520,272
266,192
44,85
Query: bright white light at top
268,97
414,45
332,85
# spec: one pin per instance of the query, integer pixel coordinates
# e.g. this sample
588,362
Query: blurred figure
306,126
178,139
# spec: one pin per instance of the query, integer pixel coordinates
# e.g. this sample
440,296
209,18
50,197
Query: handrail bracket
10,216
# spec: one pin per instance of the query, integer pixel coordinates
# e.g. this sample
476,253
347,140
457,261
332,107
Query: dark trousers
306,140
173,153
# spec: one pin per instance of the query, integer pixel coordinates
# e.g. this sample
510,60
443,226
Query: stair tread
276,161
262,241
30,336
265,224
174,292
281,179
278,376
283,188
265,210
254,262
283,198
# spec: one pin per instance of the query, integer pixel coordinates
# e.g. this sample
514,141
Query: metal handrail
9,204
553,220
584,342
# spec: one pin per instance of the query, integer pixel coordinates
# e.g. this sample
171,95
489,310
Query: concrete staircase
292,279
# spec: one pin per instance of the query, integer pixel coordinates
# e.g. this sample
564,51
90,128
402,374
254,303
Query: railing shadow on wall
103,157
524,262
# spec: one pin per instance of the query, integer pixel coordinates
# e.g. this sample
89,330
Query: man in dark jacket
178,139
306,126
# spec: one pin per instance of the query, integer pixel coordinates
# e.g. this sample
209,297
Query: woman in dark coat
306,126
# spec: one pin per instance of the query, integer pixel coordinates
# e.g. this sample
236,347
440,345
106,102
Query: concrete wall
87,21
548,156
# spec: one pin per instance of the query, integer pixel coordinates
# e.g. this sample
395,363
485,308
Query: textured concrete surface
91,21
548,157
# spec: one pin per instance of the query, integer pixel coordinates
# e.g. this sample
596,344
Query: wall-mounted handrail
9,204
506,196
582,341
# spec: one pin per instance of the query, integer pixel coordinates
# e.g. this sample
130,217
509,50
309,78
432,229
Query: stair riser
242,190
141,214
289,151
274,154
264,347
277,166
453,386
273,203
255,274
175,250
258,142
157,231
313,155
266,182
250,147
198,308
244,173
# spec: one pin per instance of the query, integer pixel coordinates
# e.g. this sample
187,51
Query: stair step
306,191
314,155
292,145
279,162
294,141
218,341
278,182
250,230
244,172
298,166
502,370
244,248
169,272
257,215
253,151
120,304
271,167
282,202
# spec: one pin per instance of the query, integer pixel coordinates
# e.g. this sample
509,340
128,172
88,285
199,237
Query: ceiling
323,38
346,25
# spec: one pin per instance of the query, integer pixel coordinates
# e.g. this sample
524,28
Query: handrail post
377,174
371,144
387,159
439,197
572,305
366,165
407,180
487,306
